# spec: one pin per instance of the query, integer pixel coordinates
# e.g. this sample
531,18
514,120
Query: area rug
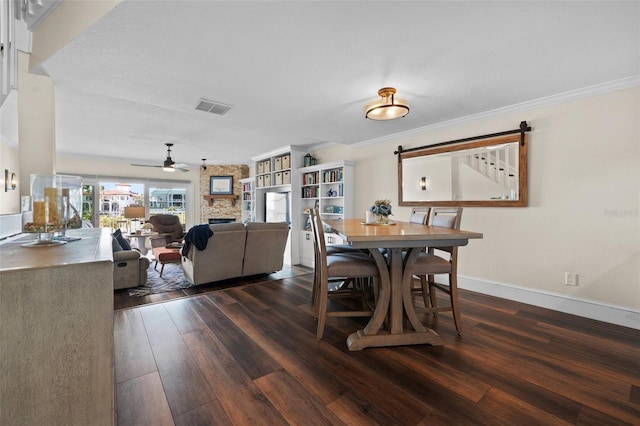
172,279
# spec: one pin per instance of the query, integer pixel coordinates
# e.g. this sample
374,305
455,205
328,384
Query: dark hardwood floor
122,300
248,356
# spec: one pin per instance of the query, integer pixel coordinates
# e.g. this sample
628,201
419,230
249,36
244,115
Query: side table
141,241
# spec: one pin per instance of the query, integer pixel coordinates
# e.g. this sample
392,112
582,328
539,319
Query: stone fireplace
220,208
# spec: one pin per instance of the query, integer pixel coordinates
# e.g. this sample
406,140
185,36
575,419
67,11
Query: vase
382,220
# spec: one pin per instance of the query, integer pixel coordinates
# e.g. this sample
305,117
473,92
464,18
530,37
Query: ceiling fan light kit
168,165
388,107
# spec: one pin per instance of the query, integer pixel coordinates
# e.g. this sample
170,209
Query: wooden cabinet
56,331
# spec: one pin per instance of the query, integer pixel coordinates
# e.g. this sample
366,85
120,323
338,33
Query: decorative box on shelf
286,161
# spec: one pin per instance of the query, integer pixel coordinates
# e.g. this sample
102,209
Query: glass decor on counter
56,205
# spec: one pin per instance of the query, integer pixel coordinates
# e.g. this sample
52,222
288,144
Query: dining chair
331,249
420,215
429,264
355,268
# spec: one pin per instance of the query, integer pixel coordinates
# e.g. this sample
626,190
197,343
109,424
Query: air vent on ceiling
213,107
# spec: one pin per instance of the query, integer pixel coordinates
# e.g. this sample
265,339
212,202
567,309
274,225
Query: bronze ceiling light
388,107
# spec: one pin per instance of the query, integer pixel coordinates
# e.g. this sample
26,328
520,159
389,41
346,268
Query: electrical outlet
571,278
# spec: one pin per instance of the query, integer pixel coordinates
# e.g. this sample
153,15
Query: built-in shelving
276,171
248,199
329,187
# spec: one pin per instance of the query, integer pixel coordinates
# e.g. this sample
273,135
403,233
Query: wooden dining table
394,305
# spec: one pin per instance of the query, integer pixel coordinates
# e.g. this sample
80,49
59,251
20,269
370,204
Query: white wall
9,201
584,199
65,22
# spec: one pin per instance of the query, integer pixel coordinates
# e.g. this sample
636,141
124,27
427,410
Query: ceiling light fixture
204,165
388,107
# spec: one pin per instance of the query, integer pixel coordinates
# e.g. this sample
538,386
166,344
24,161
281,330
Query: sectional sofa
237,250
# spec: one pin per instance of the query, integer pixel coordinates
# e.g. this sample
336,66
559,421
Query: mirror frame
522,142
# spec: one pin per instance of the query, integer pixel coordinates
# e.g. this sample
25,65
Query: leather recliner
168,226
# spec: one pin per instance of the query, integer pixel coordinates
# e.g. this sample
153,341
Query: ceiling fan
169,165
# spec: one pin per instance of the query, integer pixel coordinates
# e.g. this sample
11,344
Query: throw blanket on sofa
198,236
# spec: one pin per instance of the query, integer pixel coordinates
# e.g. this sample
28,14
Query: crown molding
278,151
590,91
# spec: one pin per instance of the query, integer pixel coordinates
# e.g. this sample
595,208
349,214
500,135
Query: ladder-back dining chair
420,215
331,249
356,267
429,264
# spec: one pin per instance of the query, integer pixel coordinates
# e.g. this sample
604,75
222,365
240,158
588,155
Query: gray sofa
235,250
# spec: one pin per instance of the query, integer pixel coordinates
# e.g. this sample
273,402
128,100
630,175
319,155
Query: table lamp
134,213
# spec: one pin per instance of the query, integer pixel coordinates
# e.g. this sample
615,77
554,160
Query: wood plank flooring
248,356
122,300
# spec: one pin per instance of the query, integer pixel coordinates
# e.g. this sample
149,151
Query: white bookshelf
276,171
329,186
248,199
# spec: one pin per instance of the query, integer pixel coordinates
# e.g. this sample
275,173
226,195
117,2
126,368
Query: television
276,207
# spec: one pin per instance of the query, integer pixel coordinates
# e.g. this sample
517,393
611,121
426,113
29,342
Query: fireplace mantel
212,198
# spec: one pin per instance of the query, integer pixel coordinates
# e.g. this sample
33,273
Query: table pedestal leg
391,302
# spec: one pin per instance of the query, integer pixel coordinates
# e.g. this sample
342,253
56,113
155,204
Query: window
165,200
116,193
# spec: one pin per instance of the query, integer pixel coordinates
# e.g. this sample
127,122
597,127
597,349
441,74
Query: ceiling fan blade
143,165
168,163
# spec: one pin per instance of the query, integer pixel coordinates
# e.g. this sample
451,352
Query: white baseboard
619,315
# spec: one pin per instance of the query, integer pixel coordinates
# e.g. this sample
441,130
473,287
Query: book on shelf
334,175
310,192
310,178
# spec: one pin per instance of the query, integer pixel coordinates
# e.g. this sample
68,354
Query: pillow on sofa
123,243
115,245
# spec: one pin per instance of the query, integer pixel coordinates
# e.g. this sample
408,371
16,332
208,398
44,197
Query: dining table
394,321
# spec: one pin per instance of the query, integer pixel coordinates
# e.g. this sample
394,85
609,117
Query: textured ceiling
300,73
